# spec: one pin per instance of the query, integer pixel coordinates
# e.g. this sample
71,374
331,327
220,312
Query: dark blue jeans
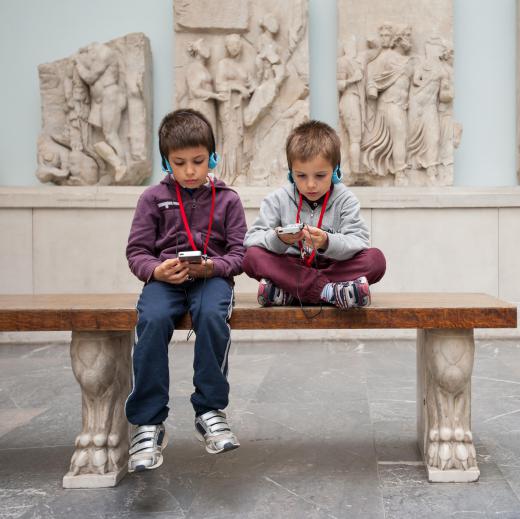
159,308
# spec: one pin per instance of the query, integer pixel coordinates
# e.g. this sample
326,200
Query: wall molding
125,197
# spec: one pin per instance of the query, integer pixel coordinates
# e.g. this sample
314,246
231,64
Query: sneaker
271,295
146,446
212,429
351,294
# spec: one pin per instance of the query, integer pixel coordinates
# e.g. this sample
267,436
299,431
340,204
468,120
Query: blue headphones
167,169
337,175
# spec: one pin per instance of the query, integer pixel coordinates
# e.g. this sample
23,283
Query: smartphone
192,256
293,228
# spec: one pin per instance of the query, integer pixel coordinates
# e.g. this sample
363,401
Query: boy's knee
377,264
251,258
212,320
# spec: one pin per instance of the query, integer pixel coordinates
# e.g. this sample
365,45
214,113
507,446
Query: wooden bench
103,332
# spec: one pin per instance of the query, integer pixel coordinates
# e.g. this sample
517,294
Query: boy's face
313,177
190,166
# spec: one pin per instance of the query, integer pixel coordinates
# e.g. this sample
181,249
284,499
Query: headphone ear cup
290,177
213,160
337,175
166,168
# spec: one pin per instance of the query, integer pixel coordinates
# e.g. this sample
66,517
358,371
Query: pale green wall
485,89
322,56
36,31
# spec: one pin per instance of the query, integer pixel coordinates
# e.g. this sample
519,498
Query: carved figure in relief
267,171
199,83
63,166
53,161
98,66
352,100
78,135
449,364
297,58
296,114
234,86
260,71
136,117
268,60
298,24
77,107
135,89
446,108
96,106
270,71
388,83
428,89
399,106
83,170
450,130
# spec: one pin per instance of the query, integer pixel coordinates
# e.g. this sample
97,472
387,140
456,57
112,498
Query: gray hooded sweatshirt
347,232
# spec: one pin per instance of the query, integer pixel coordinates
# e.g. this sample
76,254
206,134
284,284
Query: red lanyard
185,220
308,259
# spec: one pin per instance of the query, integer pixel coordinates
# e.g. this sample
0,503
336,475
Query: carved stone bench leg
444,367
101,365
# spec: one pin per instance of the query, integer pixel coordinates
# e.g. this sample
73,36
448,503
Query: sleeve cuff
218,267
335,246
149,269
325,249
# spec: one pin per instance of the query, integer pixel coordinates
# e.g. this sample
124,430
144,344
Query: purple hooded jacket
158,233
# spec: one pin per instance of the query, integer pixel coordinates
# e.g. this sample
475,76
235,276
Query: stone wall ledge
125,197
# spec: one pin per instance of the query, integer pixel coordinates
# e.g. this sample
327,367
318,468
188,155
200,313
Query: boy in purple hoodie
188,211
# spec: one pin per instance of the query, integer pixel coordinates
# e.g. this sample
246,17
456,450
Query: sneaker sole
227,447
143,468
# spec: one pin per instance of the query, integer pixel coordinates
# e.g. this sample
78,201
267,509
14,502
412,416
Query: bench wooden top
91,312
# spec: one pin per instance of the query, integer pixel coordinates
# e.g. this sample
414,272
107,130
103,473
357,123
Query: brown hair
185,128
313,138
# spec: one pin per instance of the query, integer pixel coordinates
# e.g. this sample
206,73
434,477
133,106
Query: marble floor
327,431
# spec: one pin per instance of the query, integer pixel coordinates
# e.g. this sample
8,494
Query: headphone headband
203,119
337,175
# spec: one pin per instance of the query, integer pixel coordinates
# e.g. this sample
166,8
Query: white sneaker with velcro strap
212,429
148,442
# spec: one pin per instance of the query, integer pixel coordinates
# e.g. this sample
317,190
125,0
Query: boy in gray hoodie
329,259
188,211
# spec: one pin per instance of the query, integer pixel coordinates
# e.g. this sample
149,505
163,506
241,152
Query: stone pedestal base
444,368
110,479
453,476
101,365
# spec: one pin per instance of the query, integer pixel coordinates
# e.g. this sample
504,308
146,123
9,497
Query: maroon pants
292,275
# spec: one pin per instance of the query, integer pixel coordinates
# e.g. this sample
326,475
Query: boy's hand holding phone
171,271
315,237
198,265
176,271
203,269
291,239
290,234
